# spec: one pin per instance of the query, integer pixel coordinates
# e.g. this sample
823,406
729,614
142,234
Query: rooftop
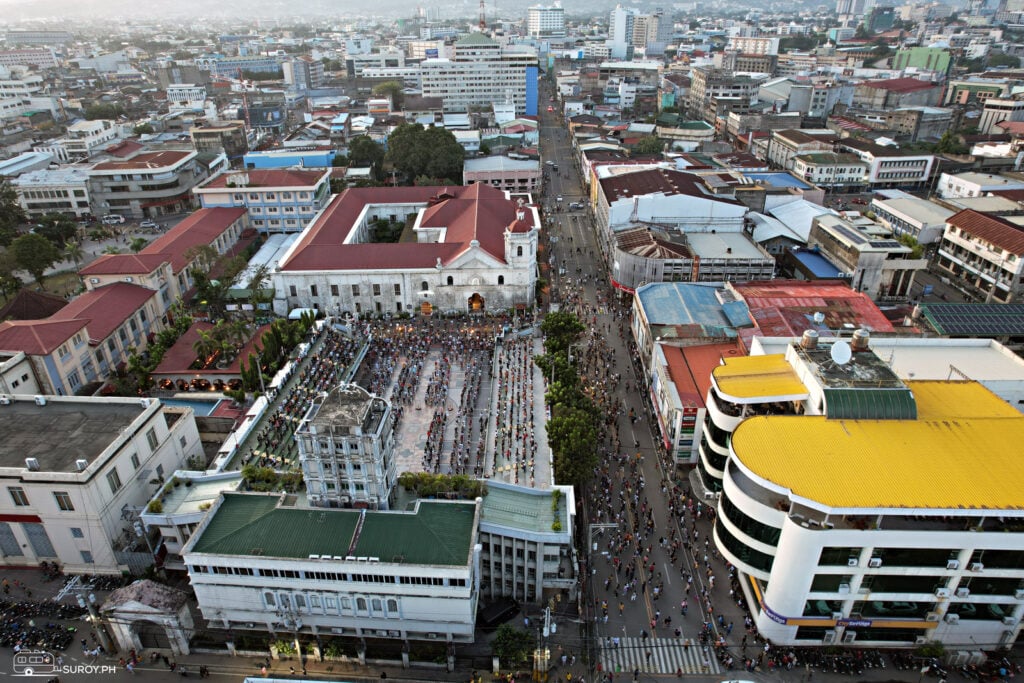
768,377
436,533
951,464
147,161
900,84
62,431
500,163
993,229
518,507
265,178
979,320
475,212
346,406
690,368
185,500
658,180
684,303
916,209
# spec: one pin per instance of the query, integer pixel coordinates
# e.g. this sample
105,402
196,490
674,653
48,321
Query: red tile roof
144,162
900,84
29,304
993,229
271,177
202,227
101,310
124,264
475,212
657,180
123,149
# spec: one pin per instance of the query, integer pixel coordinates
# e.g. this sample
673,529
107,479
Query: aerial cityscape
512,341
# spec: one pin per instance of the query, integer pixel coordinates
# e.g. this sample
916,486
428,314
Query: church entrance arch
476,303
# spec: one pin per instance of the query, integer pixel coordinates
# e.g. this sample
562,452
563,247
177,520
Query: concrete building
518,176
882,268
707,83
526,545
891,167
838,172
64,190
303,73
974,184
476,250
985,253
905,214
998,109
223,137
754,45
482,72
630,30
785,145
545,22
873,554
186,97
346,449
148,184
397,575
897,92
39,58
356,64
76,472
277,200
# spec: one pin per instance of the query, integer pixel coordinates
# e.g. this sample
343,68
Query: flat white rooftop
723,245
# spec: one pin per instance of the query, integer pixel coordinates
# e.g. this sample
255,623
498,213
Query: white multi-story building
65,190
483,72
891,167
974,184
278,200
40,58
21,91
264,562
832,508
985,252
831,170
476,250
185,97
997,110
754,45
76,472
905,214
149,183
346,449
88,138
545,22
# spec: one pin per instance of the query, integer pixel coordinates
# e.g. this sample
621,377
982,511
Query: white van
112,219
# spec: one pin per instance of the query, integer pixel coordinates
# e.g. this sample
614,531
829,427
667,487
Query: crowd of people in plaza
515,448
307,378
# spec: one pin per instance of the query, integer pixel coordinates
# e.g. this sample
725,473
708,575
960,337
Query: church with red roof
470,248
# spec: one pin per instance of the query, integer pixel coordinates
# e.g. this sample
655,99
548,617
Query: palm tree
206,346
73,252
138,244
112,250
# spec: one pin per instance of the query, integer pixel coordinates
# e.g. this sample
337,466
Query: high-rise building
629,30
544,22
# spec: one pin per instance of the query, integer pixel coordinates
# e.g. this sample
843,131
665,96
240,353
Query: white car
149,224
112,219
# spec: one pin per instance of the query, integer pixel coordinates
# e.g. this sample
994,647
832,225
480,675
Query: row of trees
273,347
416,155
573,427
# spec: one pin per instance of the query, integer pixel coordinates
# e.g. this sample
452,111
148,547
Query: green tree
485,149
572,435
57,227
11,213
73,252
206,345
34,253
511,645
103,111
561,329
996,59
111,249
9,282
143,129
138,244
649,144
417,151
392,90
364,151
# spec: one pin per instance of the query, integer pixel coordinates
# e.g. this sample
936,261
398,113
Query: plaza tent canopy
297,313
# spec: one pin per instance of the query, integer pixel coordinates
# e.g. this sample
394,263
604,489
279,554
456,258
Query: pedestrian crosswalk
657,655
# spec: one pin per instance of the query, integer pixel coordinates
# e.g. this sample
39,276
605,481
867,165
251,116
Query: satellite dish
819,318
841,353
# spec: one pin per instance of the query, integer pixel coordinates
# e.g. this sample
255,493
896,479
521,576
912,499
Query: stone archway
476,303
149,616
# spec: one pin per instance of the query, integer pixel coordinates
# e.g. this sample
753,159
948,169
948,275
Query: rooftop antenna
841,353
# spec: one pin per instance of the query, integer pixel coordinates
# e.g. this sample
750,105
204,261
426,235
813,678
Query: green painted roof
846,403
475,38
437,533
249,524
522,508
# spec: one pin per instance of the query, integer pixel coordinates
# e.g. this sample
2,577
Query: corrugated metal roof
994,229
951,464
768,377
856,403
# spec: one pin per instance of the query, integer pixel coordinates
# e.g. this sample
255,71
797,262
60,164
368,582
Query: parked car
112,219
153,225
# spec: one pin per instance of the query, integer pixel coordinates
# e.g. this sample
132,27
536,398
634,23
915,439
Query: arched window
392,607
424,286
519,251
501,279
375,604
451,280
361,604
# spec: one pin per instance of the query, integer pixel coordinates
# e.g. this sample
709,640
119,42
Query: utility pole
87,601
